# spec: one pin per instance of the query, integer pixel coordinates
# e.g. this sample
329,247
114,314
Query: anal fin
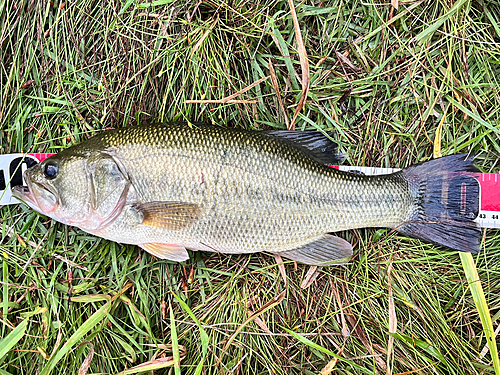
166,251
328,250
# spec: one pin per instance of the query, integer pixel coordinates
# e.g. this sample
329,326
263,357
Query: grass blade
482,307
428,32
175,344
152,365
80,333
429,348
313,345
12,338
203,335
304,64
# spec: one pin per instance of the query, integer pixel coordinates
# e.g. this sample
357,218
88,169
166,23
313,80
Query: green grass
382,80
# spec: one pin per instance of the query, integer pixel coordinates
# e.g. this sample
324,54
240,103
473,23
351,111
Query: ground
392,82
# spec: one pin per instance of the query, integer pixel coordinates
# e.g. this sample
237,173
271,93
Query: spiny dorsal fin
327,250
168,215
315,144
166,251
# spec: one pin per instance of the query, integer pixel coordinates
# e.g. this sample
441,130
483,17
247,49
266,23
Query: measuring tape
12,167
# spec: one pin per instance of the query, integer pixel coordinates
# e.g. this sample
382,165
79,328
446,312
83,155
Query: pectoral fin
166,251
168,215
328,250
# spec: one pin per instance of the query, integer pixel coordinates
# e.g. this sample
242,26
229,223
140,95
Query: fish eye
50,169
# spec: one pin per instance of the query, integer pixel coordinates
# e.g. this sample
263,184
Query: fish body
172,187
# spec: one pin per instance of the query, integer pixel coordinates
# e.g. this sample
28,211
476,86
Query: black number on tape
16,170
355,171
2,180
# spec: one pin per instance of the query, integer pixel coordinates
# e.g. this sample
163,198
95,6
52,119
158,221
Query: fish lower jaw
24,194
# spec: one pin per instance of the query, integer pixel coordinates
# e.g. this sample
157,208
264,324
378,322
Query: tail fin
447,202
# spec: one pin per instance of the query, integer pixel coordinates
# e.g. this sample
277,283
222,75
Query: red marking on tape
463,198
41,156
490,192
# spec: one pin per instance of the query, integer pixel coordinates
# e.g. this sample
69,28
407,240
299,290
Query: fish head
58,187
85,190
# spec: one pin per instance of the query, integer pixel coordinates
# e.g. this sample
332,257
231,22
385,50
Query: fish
173,187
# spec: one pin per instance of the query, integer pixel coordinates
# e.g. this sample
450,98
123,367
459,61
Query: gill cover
109,189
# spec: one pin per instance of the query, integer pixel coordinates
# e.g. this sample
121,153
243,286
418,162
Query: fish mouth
28,194
25,194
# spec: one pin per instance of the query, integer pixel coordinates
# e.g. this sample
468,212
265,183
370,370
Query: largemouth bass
172,187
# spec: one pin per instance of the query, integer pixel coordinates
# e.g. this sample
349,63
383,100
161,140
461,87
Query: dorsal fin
315,144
